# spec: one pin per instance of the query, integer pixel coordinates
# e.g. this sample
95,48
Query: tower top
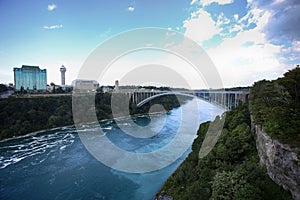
63,68
62,74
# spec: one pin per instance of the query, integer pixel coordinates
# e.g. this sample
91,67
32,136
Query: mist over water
56,165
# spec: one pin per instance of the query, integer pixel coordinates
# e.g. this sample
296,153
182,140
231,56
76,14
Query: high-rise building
62,73
30,78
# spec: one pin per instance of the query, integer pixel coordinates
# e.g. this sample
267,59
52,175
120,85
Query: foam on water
57,165
34,145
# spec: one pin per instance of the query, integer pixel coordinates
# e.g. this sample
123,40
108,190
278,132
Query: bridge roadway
227,99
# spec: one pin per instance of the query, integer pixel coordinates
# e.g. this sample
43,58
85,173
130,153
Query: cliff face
281,161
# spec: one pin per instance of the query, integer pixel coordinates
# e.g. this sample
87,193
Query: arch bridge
227,99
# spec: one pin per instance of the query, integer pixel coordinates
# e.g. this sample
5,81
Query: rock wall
281,161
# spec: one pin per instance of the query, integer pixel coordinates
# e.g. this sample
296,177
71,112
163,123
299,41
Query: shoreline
102,120
33,133
70,125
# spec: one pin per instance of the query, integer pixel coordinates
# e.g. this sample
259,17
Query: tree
276,106
291,82
3,88
226,184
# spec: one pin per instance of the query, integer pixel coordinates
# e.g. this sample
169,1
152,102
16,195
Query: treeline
19,116
3,88
230,171
275,106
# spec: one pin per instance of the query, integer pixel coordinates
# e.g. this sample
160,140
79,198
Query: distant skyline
248,40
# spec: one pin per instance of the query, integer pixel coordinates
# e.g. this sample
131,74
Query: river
54,164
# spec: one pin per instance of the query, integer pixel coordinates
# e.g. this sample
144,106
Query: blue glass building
30,77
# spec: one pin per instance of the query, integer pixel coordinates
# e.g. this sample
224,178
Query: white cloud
207,2
130,9
194,1
56,26
51,7
130,70
243,58
242,65
277,2
290,53
293,48
284,22
236,16
200,26
222,20
296,46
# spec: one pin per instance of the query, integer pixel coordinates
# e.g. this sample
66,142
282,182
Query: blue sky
248,40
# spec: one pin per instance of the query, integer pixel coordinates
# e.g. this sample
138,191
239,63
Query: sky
247,40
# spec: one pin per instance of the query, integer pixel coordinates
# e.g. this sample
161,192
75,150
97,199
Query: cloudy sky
247,40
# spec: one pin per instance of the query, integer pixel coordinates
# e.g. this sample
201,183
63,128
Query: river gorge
54,164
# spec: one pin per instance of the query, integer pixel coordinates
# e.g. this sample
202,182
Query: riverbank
231,170
21,116
72,125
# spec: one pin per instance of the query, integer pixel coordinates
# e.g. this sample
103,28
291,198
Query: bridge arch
164,94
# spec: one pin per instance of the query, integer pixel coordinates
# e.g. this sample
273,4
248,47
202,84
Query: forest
275,105
230,171
22,115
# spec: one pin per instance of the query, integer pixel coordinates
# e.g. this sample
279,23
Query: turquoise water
54,164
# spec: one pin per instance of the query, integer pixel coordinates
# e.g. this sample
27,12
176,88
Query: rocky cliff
282,162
